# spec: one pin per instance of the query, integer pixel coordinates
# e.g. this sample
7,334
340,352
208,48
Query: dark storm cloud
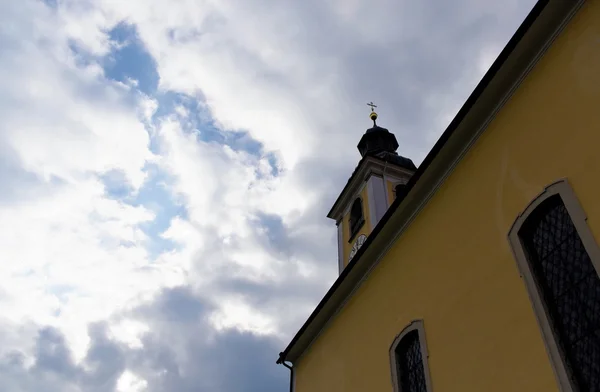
181,352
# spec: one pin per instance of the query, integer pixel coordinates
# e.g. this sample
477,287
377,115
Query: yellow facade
453,266
365,229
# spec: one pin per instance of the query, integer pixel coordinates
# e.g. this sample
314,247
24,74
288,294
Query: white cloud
129,382
129,332
60,118
235,313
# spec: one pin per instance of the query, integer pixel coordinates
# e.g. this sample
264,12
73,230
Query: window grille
409,358
569,287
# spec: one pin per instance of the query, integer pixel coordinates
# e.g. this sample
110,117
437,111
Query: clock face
360,240
356,246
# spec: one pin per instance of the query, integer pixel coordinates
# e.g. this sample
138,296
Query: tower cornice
368,166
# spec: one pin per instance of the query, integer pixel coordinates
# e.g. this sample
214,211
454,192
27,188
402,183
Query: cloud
166,169
180,351
71,252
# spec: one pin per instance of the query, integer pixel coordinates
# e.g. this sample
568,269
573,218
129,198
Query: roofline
504,55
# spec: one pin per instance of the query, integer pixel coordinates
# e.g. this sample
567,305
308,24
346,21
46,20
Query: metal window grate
570,288
410,364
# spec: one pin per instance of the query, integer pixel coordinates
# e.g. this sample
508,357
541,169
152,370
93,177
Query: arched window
558,258
408,358
356,217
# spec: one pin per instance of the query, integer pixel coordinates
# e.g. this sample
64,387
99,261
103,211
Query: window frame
419,326
563,189
360,223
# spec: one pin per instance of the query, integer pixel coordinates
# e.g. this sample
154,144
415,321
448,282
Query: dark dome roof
396,159
377,128
377,139
381,143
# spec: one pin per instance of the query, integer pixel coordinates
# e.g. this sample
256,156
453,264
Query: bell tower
370,190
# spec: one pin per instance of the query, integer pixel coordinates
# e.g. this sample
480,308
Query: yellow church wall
365,229
453,267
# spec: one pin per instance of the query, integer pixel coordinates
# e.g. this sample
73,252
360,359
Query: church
478,270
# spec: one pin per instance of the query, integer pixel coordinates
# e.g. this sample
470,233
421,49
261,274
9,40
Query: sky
166,168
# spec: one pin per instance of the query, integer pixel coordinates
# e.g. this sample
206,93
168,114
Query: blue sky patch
153,195
130,60
199,121
156,196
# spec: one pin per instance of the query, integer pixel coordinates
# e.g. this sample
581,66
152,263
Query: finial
373,115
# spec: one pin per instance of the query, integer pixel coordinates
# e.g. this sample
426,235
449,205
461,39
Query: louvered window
356,217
